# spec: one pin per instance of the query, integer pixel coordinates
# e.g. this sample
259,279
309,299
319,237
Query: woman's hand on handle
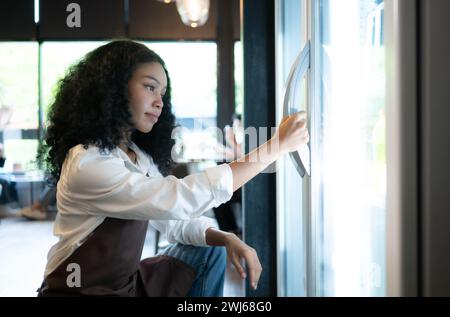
290,136
292,132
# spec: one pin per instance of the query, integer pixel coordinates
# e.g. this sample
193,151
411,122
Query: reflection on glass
354,147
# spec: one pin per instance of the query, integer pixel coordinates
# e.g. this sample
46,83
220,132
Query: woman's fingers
253,266
237,264
299,116
293,132
238,250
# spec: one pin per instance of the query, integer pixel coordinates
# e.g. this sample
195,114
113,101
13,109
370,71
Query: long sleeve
101,184
189,232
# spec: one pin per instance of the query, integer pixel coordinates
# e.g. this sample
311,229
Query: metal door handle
302,157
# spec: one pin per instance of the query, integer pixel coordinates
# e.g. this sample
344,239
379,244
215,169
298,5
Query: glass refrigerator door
332,194
350,49
292,190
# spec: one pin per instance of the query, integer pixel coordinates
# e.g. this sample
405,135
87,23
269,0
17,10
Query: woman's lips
152,117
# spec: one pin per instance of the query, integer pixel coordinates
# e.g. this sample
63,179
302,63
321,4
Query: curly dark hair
91,107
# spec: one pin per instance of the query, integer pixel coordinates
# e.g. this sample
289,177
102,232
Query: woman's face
146,89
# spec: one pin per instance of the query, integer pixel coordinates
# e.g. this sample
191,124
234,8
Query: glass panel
353,190
18,101
291,251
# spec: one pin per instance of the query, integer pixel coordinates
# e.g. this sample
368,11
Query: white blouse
95,185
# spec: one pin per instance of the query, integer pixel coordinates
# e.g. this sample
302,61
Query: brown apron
110,265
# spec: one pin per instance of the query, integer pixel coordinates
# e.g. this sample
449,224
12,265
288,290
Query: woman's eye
150,87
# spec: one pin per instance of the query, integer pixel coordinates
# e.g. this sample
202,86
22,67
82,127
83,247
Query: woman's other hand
238,250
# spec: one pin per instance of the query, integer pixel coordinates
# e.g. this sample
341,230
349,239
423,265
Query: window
19,102
192,68
194,80
57,57
194,93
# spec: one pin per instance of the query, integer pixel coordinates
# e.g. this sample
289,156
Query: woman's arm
290,135
101,184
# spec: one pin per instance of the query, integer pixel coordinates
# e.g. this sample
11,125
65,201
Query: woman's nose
158,102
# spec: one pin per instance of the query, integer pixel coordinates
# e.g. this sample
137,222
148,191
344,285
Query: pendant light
193,13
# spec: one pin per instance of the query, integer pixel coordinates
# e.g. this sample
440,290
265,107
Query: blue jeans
209,264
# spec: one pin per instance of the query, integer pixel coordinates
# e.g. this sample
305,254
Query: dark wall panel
159,21
17,20
225,65
259,111
99,19
435,114
236,7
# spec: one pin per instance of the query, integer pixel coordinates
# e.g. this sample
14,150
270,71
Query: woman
108,149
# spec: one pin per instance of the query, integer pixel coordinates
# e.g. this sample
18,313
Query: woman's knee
211,256
197,256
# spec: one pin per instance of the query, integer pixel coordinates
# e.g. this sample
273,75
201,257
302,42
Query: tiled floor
23,249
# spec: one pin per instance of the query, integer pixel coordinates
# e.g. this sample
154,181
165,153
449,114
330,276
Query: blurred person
8,192
39,210
229,214
2,155
234,137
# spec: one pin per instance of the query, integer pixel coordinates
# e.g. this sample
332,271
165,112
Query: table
28,186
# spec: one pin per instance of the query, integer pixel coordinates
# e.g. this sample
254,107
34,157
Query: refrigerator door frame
310,219
281,207
434,243
402,91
